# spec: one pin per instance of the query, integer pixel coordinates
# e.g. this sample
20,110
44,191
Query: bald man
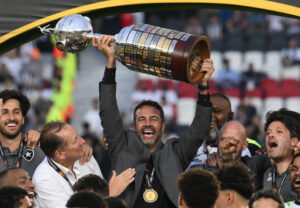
19,178
233,141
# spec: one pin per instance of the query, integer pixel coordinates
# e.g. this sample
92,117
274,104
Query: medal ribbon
60,172
149,180
17,162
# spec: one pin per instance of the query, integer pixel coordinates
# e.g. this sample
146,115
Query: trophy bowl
73,33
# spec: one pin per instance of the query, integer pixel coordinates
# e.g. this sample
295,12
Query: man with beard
157,165
281,137
15,149
230,146
221,114
19,178
295,178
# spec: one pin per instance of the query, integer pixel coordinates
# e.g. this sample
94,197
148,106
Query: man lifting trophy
143,48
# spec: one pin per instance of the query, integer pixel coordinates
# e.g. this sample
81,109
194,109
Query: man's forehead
10,101
67,132
220,102
18,172
147,109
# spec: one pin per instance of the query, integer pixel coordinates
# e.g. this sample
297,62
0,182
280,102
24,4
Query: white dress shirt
52,189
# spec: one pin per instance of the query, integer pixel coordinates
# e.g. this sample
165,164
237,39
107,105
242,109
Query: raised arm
188,145
110,116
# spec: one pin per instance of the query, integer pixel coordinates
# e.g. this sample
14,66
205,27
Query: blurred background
256,58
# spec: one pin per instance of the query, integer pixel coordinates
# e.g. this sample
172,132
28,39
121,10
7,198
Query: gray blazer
127,150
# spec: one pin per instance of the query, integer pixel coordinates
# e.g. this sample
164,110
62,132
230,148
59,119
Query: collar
66,170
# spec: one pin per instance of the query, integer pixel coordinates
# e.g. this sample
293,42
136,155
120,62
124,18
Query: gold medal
150,195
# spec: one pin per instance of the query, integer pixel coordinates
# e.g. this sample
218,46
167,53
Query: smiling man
157,165
281,137
54,177
16,151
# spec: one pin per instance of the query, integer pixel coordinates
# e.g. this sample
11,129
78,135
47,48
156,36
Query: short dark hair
236,177
50,142
86,199
10,197
14,94
94,182
149,103
287,117
114,202
267,194
198,187
220,95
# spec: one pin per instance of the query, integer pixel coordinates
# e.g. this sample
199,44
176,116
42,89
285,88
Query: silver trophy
72,33
143,48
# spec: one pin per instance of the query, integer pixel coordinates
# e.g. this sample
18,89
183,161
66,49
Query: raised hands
202,66
87,154
32,138
104,44
118,183
228,147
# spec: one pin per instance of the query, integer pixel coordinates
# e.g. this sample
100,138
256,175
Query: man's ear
59,154
245,145
180,201
229,197
163,126
295,141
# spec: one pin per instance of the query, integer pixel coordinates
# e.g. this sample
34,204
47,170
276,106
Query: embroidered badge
29,154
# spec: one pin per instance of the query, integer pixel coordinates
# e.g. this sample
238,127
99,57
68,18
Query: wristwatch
201,87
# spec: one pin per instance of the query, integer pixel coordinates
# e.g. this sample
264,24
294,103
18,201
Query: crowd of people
214,164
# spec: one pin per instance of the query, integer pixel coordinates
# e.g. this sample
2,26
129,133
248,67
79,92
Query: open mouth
11,125
272,144
148,132
213,125
296,182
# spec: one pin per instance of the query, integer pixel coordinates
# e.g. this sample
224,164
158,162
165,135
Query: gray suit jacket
127,150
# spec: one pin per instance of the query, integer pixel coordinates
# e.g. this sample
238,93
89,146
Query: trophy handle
91,35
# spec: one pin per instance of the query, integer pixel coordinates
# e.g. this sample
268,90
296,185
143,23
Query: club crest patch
29,154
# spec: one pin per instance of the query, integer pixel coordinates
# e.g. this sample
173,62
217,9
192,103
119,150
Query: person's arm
188,145
111,120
